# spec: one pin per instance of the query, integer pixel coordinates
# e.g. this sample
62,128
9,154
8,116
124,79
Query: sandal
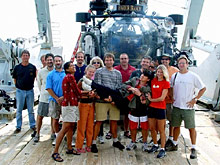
81,150
88,149
108,135
72,151
56,157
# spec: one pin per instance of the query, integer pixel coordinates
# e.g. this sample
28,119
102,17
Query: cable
185,150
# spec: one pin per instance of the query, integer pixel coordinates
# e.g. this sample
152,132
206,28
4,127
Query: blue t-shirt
54,82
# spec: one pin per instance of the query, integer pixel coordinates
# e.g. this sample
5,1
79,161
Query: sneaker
193,154
145,147
168,143
131,146
127,134
161,154
36,138
153,149
54,142
101,140
94,148
118,145
81,150
88,149
52,136
17,130
172,147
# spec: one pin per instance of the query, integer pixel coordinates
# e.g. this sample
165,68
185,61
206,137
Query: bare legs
67,128
158,125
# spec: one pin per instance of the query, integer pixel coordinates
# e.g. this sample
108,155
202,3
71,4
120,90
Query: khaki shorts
102,110
54,110
169,108
186,115
70,114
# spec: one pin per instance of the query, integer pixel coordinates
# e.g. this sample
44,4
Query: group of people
146,97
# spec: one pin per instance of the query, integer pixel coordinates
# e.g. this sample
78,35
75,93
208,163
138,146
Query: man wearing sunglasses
165,60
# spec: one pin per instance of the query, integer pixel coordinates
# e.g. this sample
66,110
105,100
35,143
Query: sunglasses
152,67
95,63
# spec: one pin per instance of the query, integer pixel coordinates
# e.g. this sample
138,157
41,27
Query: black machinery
124,27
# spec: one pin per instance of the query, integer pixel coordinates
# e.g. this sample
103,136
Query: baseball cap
183,57
165,55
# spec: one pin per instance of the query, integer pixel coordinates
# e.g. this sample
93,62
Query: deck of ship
20,148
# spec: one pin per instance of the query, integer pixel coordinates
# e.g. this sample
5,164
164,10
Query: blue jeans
21,96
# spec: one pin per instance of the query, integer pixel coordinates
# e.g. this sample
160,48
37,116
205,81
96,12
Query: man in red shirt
126,69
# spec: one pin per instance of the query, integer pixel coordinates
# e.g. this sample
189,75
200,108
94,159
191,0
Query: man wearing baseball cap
165,60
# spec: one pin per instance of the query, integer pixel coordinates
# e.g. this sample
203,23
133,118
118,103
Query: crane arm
44,22
192,21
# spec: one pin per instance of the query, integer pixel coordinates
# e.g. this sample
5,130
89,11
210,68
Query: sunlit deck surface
20,148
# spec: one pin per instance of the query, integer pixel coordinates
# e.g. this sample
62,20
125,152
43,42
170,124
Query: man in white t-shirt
43,106
184,85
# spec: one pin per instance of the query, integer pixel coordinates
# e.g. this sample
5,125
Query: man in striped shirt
111,78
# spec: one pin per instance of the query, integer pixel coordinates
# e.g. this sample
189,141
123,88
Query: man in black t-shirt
24,75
